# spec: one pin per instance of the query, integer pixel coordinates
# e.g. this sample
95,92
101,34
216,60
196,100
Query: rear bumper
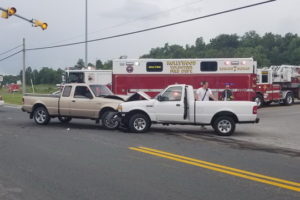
250,122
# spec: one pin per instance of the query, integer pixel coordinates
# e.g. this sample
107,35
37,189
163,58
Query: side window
67,91
209,66
264,78
172,94
154,67
82,92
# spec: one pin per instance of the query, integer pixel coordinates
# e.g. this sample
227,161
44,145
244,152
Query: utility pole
86,33
24,69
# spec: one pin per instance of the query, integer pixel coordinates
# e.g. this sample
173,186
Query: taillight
254,110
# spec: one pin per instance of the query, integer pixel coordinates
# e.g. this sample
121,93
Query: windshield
100,90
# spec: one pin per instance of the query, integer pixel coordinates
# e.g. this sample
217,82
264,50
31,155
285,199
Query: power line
154,28
11,55
5,52
131,21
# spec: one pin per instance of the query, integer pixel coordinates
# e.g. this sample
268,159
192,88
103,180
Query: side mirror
162,98
159,98
89,95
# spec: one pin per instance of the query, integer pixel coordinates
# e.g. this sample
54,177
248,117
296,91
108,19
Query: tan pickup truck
75,100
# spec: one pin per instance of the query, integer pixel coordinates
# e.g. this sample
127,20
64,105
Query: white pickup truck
177,105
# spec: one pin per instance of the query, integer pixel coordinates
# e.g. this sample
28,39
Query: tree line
268,49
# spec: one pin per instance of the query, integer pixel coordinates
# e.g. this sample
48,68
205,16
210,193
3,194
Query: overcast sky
66,20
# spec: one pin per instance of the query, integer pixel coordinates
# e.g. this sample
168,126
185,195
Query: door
169,106
65,101
82,103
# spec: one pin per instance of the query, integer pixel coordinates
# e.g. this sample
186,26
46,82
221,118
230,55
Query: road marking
223,169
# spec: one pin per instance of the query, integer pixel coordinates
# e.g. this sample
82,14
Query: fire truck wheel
224,125
139,123
110,120
41,116
64,120
289,99
259,100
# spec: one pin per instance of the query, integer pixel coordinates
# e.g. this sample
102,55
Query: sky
66,24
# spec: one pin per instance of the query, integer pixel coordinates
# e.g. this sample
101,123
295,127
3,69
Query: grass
16,97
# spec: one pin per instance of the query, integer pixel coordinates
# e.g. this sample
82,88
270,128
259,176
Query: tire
289,99
110,120
41,116
64,120
259,100
224,125
139,123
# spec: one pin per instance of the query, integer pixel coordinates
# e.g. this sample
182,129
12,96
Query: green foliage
269,49
100,65
80,64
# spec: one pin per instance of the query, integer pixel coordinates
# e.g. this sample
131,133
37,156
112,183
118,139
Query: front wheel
224,126
289,99
139,123
64,120
259,100
41,116
110,120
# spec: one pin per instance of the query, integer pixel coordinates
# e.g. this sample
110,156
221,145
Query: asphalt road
82,161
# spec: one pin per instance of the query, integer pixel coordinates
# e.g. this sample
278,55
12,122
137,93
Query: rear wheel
64,120
259,100
41,116
289,99
224,125
110,120
139,123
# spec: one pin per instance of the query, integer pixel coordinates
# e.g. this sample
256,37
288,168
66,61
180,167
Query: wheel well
35,107
259,94
103,110
135,112
225,113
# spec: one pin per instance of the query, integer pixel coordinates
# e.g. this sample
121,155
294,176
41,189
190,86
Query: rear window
209,66
154,67
67,91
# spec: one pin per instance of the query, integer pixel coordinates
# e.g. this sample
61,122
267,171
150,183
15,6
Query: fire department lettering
234,68
181,66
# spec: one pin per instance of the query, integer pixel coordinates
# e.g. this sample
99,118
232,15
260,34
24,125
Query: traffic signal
9,12
37,23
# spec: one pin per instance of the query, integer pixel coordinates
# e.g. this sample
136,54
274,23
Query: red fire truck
278,84
246,82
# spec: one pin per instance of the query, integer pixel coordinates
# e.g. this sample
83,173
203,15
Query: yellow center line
225,171
224,167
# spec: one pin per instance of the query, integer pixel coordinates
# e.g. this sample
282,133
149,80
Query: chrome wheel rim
111,123
139,124
224,126
258,101
289,99
40,116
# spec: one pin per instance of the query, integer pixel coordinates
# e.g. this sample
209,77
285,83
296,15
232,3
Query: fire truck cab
278,84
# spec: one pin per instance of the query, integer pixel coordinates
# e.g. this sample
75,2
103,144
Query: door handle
73,101
178,104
